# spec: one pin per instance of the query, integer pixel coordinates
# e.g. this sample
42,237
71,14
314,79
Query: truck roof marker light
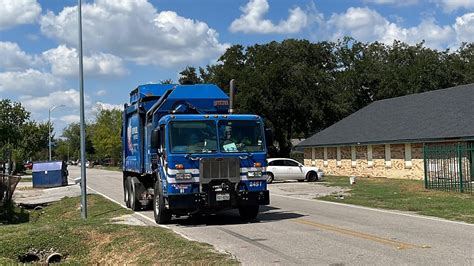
206,116
179,166
215,116
257,164
225,116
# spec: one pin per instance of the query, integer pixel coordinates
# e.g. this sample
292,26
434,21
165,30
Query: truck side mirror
155,139
269,136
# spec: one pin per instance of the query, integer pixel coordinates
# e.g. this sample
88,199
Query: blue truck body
184,153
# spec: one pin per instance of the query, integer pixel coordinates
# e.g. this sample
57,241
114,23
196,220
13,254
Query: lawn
26,179
405,195
58,227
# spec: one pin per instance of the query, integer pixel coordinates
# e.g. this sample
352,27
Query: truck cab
186,154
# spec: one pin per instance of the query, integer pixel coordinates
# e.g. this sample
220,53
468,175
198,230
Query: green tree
12,117
189,76
166,81
300,87
287,83
106,135
72,134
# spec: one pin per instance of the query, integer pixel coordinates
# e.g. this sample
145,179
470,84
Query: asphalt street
300,230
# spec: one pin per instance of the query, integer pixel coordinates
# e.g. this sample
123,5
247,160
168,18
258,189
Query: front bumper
202,201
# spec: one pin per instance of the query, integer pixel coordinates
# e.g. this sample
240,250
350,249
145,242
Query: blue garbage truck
185,152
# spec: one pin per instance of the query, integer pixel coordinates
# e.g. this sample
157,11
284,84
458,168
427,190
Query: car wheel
312,176
270,178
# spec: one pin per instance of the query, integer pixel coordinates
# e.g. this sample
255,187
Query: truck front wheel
248,212
162,215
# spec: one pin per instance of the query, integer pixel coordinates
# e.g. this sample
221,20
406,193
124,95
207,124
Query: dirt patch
127,219
100,243
305,190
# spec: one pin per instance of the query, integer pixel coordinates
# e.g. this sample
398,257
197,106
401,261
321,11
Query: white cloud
70,119
252,20
13,58
101,92
367,25
135,30
393,2
70,98
464,27
64,62
107,106
452,5
30,81
17,12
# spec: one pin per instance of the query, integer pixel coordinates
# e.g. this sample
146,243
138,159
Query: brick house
386,138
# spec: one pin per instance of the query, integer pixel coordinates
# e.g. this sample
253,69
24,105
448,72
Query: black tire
312,176
135,191
162,215
270,178
126,191
248,212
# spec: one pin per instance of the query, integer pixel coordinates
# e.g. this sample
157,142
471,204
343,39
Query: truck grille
221,168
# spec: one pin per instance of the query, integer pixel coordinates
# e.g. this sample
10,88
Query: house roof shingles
434,115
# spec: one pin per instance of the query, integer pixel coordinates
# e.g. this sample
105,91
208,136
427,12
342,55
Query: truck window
240,136
193,137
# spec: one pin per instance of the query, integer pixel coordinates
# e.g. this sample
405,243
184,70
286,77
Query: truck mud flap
253,198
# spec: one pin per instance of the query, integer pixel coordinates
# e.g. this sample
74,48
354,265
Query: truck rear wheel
248,212
162,215
126,191
135,192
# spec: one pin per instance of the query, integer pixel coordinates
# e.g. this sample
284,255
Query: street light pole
49,127
83,125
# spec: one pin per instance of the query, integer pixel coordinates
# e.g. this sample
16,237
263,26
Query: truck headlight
183,176
254,174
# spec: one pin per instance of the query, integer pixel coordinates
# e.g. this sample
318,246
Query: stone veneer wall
398,167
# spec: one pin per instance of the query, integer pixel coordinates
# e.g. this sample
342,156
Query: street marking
419,216
398,244
260,245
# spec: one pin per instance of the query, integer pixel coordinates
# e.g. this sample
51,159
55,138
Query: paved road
296,230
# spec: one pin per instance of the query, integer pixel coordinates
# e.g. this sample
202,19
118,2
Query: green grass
26,179
111,168
405,195
59,227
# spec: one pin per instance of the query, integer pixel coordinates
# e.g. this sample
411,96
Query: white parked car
287,169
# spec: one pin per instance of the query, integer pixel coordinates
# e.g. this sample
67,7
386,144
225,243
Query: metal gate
449,167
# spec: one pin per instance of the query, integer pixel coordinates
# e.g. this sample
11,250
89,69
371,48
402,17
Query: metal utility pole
49,127
83,123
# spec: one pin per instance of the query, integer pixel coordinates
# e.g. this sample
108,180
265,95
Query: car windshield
240,136
193,137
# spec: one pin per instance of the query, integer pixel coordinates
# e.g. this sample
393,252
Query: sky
132,42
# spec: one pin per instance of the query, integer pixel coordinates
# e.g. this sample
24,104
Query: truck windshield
240,136
193,137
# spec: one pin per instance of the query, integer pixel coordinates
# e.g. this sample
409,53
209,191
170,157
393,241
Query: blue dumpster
49,174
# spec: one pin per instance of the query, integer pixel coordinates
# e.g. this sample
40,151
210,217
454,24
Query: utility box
49,174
